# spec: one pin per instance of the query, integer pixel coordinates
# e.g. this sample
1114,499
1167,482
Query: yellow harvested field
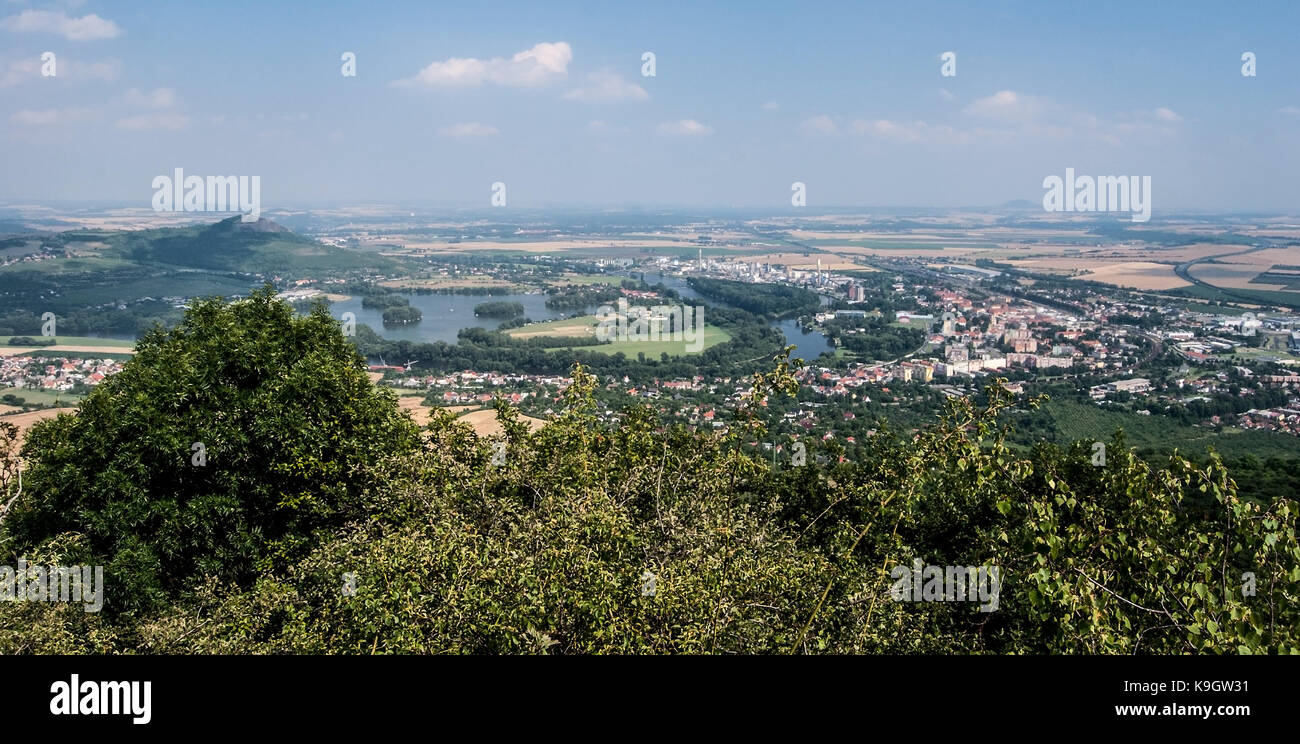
484,422
847,236
918,252
1266,258
417,409
24,421
1137,275
1198,250
1290,233
1232,276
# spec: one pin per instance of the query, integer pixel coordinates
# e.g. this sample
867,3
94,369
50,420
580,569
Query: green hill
259,247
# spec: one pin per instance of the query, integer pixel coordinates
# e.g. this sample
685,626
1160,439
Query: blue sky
747,98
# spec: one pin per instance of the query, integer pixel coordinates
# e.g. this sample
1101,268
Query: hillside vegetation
325,522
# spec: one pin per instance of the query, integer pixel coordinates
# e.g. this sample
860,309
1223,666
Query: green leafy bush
224,448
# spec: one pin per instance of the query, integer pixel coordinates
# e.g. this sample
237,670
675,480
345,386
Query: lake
446,314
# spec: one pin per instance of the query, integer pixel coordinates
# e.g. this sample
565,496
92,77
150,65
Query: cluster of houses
469,387
1010,334
54,374
1285,420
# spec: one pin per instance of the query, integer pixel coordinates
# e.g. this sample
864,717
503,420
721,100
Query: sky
747,98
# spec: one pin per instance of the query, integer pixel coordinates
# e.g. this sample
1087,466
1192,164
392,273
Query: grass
67,265
184,284
42,396
1074,421
581,326
586,326
1249,354
712,337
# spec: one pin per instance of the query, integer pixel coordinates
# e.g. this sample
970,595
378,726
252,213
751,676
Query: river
807,345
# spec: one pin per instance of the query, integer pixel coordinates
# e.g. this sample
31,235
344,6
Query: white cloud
1290,110
29,69
822,124
892,130
150,122
1008,105
1165,114
468,129
1008,117
539,65
920,131
946,94
20,71
1149,126
45,117
1042,118
158,98
685,128
771,106
606,87
85,28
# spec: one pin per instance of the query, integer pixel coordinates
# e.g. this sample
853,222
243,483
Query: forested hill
122,282
257,247
321,519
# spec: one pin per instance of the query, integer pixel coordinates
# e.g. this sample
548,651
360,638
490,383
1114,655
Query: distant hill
259,247
1020,204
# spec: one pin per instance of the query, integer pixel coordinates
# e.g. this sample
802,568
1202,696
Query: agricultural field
1231,276
42,397
1136,275
484,422
25,421
72,346
581,326
481,420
